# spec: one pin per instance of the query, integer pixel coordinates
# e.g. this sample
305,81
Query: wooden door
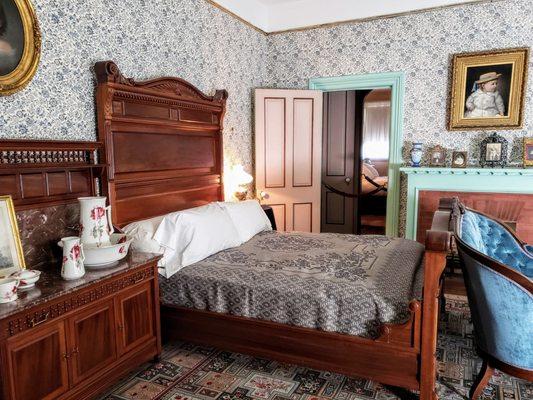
37,363
338,167
91,339
341,158
134,317
288,142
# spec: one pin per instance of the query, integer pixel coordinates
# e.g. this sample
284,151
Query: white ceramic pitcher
72,266
95,221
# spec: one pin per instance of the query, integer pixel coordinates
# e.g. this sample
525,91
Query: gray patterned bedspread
333,282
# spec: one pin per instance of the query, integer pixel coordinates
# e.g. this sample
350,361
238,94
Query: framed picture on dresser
11,256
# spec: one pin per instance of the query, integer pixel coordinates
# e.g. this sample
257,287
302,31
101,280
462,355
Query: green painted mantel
500,180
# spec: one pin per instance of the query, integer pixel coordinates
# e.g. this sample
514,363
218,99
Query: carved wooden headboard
163,144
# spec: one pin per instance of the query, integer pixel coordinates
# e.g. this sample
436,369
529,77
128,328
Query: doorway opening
395,81
355,161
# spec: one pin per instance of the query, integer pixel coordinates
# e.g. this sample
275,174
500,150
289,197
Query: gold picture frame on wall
488,89
20,45
11,255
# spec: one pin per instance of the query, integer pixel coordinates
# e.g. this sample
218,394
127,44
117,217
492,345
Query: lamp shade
240,176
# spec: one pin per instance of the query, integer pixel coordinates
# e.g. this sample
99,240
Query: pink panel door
288,149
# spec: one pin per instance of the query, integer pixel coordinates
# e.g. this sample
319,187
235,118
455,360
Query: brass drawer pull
138,279
34,322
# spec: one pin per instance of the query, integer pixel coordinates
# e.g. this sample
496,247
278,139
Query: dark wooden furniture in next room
163,146
71,339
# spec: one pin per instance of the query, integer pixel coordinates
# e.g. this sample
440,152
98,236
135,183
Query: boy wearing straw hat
485,101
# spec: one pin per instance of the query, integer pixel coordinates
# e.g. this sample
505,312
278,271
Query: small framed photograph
437,156
488,89
459,159
528,152
11,256
493,151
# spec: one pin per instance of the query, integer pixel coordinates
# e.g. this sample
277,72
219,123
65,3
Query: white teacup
8,290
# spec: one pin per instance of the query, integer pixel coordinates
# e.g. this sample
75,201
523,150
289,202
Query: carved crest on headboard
108,72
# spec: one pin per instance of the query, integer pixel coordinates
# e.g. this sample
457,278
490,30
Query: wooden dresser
72,339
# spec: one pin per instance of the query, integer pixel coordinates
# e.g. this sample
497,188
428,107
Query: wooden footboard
389,360
404,355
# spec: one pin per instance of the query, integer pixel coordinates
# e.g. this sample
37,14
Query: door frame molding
396,82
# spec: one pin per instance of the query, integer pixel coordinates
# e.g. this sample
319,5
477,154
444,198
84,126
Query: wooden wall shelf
45,173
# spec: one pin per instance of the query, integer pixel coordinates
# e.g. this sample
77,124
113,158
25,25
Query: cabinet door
91,339
37,363
135,321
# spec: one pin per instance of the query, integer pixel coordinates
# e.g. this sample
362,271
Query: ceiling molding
265,31
224,9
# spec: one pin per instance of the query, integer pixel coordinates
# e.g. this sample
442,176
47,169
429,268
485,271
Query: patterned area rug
193,372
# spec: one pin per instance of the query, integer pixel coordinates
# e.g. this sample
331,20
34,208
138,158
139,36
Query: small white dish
27,278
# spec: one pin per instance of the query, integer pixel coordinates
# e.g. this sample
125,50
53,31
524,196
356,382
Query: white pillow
142,233
248,217
191,235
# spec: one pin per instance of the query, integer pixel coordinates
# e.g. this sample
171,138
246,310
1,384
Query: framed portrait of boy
11,256
528,152
488,89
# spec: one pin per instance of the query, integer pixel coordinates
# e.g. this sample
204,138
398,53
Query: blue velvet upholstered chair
498,271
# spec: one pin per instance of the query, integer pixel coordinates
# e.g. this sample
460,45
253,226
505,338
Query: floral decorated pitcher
72,266
95,221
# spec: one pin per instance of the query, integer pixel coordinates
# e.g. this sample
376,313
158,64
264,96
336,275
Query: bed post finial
108,71
221,95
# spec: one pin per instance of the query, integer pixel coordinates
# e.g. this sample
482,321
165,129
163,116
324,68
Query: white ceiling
269,2
280,15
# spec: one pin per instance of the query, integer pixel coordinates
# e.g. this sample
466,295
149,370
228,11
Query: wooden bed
163,148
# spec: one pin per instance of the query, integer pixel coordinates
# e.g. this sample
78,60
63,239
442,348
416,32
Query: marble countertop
51,285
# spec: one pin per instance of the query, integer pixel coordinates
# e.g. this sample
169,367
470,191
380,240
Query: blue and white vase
416,154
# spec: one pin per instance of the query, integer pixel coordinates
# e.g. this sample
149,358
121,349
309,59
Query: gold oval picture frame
20,45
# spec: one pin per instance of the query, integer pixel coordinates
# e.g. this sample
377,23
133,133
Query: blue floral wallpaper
194,40
419,44
146,38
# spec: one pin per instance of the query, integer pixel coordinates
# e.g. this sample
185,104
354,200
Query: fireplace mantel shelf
467,171
494,180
